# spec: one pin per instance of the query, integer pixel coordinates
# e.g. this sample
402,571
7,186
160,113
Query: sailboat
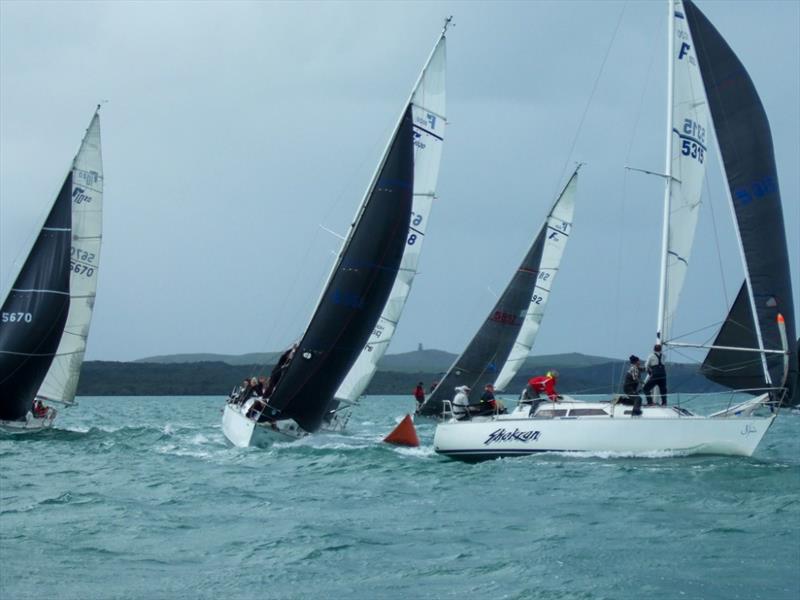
709,91
362,301
45,318
501,345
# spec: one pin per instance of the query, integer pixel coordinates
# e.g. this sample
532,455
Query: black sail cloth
34,313
488,351
745,142
356,293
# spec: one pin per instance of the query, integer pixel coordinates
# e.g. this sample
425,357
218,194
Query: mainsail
87,225
686,164
745,144
427,104
34,312
356,291
514,318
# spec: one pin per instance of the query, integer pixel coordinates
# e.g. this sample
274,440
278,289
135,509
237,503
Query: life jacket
658,371
543,383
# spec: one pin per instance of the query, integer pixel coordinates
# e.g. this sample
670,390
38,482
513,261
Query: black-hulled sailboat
504,340
45,318
709,90
349,308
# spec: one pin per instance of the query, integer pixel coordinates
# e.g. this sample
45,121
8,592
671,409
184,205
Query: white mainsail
428,111
687,151
61,380
559,228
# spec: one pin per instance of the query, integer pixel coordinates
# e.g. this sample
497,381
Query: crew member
419,394
279,369
631,385
656,376
546,384
461,403
39,409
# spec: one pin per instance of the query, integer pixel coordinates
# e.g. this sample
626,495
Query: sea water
143,498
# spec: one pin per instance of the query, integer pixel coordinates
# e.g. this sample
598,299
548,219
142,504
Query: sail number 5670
16,317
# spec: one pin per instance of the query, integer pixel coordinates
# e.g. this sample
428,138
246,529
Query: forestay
559,228
486,354
427,104
745,144
686,158
86,194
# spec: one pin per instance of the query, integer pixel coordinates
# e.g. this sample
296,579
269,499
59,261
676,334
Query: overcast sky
234,130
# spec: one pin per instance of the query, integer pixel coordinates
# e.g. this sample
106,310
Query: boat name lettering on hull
501,435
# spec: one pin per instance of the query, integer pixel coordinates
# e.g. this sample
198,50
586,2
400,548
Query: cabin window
548,412
588,412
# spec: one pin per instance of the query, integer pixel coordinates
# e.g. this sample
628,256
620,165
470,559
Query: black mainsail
356,292
745,143
33,315
486,354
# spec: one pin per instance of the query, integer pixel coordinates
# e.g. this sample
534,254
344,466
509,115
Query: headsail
34,312
486,354
428,110
87,225
732,368
686,164
745,143
559,228
355,293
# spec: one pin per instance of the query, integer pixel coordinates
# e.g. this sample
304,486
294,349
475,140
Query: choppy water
142,498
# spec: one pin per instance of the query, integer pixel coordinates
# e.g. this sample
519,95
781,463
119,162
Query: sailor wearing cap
461,402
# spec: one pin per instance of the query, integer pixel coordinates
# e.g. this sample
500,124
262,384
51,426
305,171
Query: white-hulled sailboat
367,288
709,89
45,318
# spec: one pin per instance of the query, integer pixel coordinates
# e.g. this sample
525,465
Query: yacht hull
512,435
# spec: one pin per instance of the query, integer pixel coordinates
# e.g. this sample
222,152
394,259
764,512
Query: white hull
657,430
242,431
30,424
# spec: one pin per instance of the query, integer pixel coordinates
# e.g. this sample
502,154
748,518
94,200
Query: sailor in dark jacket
631,385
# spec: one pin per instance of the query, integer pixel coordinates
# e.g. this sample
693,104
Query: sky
233,132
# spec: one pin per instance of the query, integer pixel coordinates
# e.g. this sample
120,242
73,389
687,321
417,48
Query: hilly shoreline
216,374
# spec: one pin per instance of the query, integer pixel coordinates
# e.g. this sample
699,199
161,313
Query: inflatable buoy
404,434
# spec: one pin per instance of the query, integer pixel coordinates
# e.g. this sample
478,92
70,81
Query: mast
662,294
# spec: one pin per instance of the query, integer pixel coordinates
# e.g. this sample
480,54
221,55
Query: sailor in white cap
461,402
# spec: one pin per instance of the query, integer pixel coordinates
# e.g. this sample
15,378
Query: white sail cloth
689,142
61,380
428,110
559,228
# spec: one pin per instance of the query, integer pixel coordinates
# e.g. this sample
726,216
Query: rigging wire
591,97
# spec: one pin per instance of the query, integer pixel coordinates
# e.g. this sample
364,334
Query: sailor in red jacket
545,384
